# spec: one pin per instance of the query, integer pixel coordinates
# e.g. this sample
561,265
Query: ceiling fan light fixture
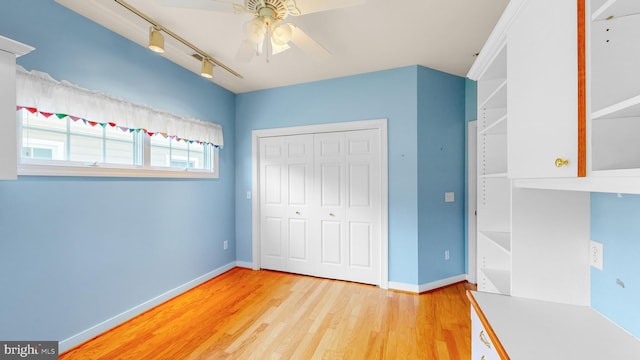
207,69
281,34
255,29
156,40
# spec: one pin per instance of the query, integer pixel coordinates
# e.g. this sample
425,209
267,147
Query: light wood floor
245,314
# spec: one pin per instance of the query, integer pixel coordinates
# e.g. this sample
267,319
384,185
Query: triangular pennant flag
61,116
138,130
92,123
31,109
164,134
45,114
103,125
74,118
19,107
150,133
112,124
124,129
84,121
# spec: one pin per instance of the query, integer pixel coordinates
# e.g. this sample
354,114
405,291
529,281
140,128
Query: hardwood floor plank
246,314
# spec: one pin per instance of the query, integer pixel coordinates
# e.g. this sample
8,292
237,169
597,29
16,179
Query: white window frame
35,89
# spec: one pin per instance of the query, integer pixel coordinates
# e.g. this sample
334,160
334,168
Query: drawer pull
297,212
483,338
483,357
560,162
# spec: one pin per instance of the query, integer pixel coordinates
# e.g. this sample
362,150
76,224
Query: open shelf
501,279
625,108
615,8
614,73
500,175
497,127
500,238
493,155
498,97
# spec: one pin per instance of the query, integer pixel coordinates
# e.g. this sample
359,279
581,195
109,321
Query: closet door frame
378,124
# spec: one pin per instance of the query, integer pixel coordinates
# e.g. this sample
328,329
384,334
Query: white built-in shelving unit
494,187
533,212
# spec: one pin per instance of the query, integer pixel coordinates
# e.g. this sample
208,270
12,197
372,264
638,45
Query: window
56,143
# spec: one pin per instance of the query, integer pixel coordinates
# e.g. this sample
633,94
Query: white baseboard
244,264
98,329
428,286
442,283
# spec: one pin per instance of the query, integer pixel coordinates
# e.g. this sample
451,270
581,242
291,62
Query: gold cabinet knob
297,212
560,162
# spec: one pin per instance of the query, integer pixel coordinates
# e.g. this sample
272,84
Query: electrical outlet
446,254
449,197
596,255
225,244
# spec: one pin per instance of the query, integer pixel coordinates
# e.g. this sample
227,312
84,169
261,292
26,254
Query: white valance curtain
39,90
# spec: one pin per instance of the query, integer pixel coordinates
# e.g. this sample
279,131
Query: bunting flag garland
61,116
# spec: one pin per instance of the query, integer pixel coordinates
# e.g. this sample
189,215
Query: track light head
156,40
207,68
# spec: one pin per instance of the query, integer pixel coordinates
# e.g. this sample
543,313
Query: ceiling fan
267,32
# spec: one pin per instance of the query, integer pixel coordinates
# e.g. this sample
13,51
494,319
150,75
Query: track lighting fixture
156,40
156,43
207,68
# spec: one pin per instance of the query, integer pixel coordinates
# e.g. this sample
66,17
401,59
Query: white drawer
482,347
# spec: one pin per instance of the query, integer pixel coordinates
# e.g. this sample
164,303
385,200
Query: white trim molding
98,329
496,40
379,124
244,264
417,289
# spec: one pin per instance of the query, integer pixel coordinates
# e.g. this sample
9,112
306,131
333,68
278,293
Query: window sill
112,171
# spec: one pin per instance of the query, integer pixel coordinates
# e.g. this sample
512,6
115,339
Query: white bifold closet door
320,198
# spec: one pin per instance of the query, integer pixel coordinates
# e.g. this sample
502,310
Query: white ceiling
380,34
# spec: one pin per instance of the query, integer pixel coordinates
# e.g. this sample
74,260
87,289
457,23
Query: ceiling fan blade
213,5
300,39
311,6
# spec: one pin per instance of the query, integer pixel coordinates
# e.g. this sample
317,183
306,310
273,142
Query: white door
320,200
286,181
363,205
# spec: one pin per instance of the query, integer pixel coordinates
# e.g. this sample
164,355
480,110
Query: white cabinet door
542,95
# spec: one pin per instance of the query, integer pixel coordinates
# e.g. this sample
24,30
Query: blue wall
390,94
75,251
441,154
615,222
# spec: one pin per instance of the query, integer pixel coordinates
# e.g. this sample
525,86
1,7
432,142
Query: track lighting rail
155,24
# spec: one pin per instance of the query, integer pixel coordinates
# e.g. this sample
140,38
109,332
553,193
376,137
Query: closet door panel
273,224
